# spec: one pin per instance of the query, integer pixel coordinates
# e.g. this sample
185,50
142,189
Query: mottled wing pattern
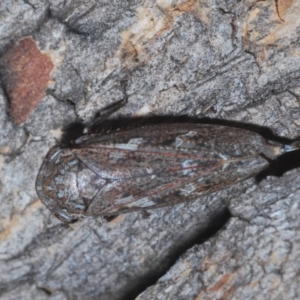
161,165
146,167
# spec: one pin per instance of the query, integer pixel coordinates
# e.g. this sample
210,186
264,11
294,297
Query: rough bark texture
231,60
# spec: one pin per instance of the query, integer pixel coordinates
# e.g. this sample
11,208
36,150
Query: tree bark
230,61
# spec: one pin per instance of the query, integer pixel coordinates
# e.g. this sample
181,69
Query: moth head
56,185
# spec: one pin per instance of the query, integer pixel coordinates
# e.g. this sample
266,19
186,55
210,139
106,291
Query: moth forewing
148,167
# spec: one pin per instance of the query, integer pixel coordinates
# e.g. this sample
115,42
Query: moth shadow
277,167
280,165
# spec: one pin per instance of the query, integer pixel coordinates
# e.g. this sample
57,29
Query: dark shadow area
74,130
218,221
280,165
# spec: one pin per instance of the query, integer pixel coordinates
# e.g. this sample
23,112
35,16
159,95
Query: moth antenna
107,111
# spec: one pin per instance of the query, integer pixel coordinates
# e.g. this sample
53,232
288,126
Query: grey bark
231,60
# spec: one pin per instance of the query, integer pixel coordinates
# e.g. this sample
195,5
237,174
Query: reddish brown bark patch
25,73
223,281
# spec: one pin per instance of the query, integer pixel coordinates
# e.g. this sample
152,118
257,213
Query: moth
148,167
